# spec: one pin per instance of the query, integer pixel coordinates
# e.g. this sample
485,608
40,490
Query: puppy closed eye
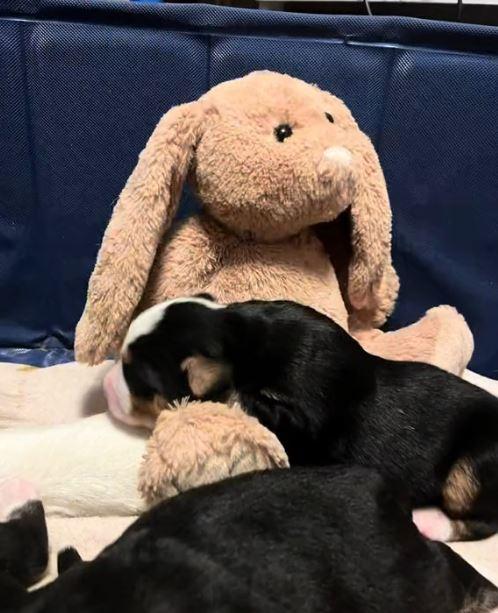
329,117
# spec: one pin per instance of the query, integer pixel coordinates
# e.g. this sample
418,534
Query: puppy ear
142,215
206,375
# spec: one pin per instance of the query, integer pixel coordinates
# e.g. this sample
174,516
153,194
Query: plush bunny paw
453,340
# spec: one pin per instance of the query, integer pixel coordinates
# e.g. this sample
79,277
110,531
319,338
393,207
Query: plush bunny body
204,257
235,269
295,206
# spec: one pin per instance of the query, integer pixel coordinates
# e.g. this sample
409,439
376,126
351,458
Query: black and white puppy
300,540
326,399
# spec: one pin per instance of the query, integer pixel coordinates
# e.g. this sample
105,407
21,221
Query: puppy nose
337,155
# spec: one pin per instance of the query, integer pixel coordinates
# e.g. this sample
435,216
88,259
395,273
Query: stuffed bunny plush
294,206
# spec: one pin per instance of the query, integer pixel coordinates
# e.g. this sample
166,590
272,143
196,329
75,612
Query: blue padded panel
92,112
19,319
441,163
83,84
89,116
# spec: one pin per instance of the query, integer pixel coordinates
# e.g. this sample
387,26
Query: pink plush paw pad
433,524
14,494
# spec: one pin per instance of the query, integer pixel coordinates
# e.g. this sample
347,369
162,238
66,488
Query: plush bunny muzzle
337,172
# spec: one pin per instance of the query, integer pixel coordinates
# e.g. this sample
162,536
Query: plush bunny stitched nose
334,163
337,155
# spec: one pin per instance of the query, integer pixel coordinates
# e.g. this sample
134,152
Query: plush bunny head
275,156
269,156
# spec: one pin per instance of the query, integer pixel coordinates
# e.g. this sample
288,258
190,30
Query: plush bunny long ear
143,213
372,283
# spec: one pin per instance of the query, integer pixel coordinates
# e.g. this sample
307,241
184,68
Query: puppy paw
67,558
433,524
14,494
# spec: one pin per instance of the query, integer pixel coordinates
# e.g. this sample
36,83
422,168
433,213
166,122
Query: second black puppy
326,399
324,540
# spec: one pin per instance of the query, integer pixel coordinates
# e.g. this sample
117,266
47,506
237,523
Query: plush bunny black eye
329,117
282,132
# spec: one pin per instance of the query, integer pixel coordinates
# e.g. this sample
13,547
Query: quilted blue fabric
83,84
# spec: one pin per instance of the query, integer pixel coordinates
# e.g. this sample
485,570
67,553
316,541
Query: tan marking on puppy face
145,412
204,374
461,487
460,531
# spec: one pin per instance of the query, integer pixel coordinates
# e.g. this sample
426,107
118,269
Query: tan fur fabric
204,442
416,342
255,238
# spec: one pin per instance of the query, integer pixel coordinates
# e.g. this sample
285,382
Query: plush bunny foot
433,524
442,337
14,494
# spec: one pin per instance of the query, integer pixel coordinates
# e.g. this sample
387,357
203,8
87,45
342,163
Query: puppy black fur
23,551
66,558
331,402
300,540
